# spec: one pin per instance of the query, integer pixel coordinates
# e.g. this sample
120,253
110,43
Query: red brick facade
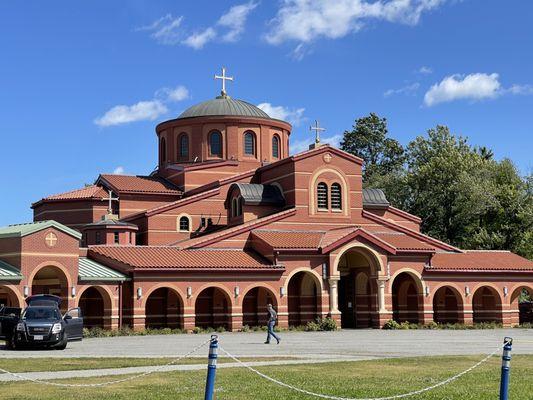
230,224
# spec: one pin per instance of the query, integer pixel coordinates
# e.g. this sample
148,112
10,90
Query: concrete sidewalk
45,376
315,345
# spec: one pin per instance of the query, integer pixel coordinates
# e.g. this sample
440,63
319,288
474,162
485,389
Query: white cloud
141,111
179,93
119,170
297,146
235,19
198,40
521,89
294,116
454,87
307,20
166,30
425,70
406,90
147,110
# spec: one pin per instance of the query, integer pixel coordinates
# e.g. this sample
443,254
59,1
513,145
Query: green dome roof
223,105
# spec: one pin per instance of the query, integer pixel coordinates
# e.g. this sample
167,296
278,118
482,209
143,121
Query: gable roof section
283,239
21,230
227,233
90,270
171,258
171,206
309,153
138,184
480,261
424,238
9,272
91,192
350,234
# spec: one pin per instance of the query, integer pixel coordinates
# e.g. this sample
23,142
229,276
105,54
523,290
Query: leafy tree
462,194
368,140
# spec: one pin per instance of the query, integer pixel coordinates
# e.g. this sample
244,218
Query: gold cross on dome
51,239
224,78
317,130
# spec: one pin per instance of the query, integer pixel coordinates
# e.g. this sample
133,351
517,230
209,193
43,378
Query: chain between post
324,396
127,379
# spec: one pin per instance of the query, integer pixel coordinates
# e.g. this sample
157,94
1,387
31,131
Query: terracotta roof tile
172,258
139,184
203,241
483,260
336,234
88,192
278,239
400,240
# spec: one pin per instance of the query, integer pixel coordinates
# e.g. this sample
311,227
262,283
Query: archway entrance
487,305
164,309
254,306
447,306
406,298
357,290
303,298
8,298
95,305
51,280
212,309
522,300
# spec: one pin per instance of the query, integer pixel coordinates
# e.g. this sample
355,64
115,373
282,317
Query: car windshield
41,313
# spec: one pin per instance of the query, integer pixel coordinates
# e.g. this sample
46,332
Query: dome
224,105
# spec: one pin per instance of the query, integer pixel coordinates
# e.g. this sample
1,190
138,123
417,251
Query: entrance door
347,300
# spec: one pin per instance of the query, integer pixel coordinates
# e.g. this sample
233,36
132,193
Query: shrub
391,324
245,328
328,324
312,326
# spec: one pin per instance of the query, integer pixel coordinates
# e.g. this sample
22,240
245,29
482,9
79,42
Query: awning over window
90,270
9,272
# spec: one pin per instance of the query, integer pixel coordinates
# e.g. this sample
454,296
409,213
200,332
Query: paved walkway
346,343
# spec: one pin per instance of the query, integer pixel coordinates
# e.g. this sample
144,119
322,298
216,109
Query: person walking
272,318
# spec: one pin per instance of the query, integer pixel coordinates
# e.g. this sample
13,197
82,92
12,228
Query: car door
74,324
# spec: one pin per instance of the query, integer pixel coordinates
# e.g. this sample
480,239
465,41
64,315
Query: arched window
185,225
249,143
183,146
215,144
234,207
239,205
336,197
163,150
322,196
275,146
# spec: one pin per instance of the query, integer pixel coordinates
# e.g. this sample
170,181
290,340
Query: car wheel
63,344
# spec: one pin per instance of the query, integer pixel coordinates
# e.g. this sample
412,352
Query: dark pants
271,325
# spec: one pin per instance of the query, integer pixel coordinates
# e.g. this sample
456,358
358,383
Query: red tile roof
336,234
482,260
203,241
139,184
88,192
278,239
400,240
172,258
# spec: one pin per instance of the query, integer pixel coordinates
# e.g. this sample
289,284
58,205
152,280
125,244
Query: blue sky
83,84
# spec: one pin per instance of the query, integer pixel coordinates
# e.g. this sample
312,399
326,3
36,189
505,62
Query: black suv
41,324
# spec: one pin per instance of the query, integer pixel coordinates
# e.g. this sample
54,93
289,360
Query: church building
231,221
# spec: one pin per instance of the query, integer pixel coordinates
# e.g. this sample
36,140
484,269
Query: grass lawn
349,379
68,364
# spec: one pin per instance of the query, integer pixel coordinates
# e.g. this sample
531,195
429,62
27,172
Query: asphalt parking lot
345,343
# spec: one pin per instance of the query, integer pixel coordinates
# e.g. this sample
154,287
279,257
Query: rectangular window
336,197
116,238
98,238
322,196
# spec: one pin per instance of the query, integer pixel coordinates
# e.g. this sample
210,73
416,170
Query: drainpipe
120,305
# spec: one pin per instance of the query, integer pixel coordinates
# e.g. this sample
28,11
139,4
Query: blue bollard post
506,368
211,368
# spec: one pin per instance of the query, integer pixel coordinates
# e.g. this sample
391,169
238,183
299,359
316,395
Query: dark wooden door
347,300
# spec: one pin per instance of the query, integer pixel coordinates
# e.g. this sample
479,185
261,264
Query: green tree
368,140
